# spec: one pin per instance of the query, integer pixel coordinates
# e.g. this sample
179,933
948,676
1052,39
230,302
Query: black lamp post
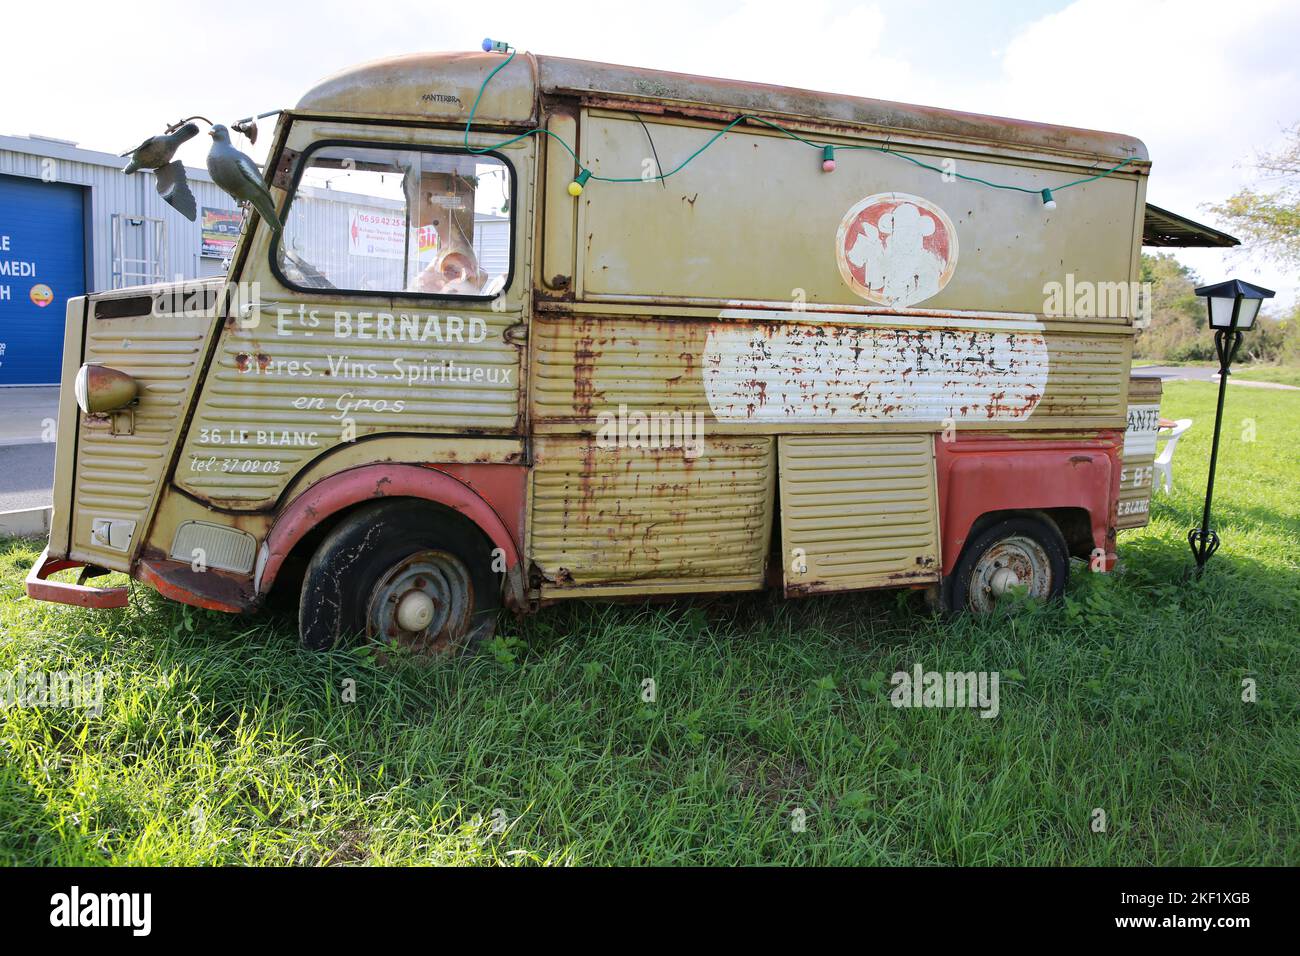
1233,307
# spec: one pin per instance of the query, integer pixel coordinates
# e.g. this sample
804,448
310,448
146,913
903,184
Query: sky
1205,84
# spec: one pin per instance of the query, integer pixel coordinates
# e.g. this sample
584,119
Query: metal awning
1162,228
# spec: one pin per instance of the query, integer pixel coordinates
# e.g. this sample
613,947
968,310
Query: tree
1271,219
1177,331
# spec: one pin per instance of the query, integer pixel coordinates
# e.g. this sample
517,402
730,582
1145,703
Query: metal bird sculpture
155,154
239,176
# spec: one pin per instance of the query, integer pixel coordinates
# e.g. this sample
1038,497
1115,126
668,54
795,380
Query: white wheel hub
424,602
1003,580
415,611
1015,561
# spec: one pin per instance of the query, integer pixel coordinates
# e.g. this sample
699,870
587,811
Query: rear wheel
404,572
1023,550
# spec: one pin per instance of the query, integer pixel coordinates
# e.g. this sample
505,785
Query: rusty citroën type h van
627,333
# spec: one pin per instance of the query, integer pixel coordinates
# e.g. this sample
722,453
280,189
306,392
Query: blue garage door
42,265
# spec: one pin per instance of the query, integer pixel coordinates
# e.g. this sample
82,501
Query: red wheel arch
370,482
978,475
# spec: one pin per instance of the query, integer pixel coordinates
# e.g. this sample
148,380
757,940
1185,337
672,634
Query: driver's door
392,303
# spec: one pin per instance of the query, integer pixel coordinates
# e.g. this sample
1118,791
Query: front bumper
62,592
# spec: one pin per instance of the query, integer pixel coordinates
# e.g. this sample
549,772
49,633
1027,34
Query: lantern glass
1221,311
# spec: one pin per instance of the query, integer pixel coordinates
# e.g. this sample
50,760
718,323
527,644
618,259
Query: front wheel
404,572
1023,550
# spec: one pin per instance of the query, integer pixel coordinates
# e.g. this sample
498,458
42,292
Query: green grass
221,742
1283,374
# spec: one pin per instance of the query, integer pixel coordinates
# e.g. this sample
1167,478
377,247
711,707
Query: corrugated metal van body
679,350
609,517
832,378
763,371
278,396
754,294
858,511
123,460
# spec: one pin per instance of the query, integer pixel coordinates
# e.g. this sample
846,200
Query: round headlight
102,389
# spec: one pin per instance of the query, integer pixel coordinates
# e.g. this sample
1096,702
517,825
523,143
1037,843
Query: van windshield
371,219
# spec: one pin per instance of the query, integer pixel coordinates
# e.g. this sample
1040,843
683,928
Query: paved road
27,414
26,452
26,476
1200,373
1196,373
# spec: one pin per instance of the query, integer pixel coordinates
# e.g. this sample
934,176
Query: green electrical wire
757,119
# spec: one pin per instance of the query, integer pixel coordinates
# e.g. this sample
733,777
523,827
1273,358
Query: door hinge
282,178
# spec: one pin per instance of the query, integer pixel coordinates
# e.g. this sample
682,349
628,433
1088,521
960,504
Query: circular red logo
896,249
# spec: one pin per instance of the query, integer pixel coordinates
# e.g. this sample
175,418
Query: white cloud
1203,84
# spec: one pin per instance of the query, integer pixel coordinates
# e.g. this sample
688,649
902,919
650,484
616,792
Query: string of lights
828,150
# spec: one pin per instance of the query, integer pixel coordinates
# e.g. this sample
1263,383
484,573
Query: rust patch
584,368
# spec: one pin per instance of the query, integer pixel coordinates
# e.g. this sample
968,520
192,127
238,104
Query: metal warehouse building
70,221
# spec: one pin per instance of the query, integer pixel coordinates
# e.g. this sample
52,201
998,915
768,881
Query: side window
380,219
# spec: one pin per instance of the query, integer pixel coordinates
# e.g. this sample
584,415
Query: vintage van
629,333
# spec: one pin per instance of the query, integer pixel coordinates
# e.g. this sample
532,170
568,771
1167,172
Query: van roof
441,87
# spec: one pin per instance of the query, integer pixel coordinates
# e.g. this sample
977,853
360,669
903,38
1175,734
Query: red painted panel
978,474
211,589
504,487
65,592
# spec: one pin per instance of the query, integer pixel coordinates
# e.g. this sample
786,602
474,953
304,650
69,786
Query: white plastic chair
1164,462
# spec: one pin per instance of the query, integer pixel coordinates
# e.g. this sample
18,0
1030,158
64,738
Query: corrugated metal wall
317,230
860,510
492,243
607,516
112,192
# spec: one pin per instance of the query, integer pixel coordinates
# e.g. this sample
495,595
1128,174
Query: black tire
1008,539
380,548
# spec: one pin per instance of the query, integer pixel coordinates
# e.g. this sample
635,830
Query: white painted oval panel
777,372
